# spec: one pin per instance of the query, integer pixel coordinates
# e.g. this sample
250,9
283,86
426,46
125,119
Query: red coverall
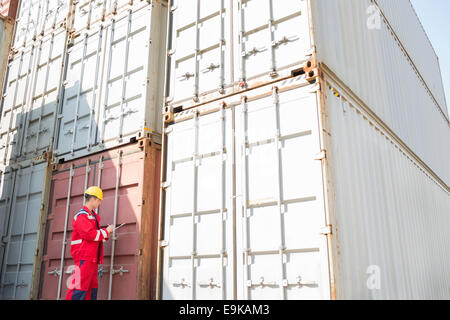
87,252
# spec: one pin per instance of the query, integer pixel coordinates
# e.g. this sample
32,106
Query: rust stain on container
8,8
137,167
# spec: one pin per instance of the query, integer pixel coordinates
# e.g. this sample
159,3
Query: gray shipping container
298,191
23,209
30,99
113,83
222,47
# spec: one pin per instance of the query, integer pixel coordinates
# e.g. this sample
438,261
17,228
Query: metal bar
64,240
197,50
114,238
100,170
94,89
233,169
279,182
241,40
223,211
272,66
194,205
108,72
222,52
86,178
22,235
125,70
80,85
245,194
9,223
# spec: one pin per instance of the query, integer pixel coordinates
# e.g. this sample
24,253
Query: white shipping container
389,64
31,94
38,17
87,13
373,63
294,191
113,83
409,30
23,203
218,47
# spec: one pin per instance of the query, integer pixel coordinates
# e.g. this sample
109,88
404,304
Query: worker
87,247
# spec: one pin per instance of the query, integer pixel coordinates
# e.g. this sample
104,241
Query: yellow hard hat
94,191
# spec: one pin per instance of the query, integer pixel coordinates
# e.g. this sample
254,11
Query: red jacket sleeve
87,232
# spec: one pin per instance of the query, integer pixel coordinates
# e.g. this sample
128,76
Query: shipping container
219,47
297,191
8,8
113,85
87,13
30,99
36,18
24,195
377,66
130,177
411,33
255,42
6,31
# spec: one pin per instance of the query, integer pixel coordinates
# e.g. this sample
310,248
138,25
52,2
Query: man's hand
110,229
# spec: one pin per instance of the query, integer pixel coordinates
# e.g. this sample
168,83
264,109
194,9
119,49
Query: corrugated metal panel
6,31
113,83
31,93
407,26
129,177
23,193
221,47
391,216
244,208
8,8
35,18
372,64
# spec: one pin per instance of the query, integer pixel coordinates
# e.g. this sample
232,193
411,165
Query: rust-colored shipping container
129,177
8,8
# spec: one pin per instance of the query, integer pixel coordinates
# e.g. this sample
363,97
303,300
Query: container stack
302,153
81,106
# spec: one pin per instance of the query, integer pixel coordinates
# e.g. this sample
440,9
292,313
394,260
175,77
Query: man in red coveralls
87,247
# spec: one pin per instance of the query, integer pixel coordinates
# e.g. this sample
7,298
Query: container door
200,47
23,221
54,13
27,22
198,258
41,114
280,211
87,12
14,104
79,108
268,35
124,107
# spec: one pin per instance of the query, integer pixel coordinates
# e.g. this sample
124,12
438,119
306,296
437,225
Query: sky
434,15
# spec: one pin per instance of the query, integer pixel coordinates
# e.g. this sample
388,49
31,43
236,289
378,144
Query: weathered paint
6,31
8,8
129,177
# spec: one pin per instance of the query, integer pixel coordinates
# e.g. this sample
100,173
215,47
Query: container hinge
321,155
163,243
325,230
120,271
168,130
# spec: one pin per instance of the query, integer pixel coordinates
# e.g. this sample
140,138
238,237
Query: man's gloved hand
110,229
